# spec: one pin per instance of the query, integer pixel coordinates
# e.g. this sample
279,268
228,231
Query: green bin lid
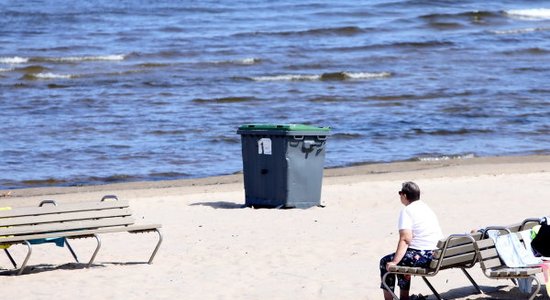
283,127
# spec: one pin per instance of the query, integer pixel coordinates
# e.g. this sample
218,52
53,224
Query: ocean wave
244,61
324,76
42,182
13,60
49,75
346,136
529,14
6,69
344,30
167,132
113,57
443,157
57,86
458,20
471,15
446,132
328,98
521,30
424,44
248,61
32,69
225,100
152,65
532,50
23,60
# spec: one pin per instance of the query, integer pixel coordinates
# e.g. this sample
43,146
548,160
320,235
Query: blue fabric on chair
59,242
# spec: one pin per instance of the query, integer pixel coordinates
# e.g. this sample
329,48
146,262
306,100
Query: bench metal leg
54,203
11,258
156,248
71,250
24,264
96,250
536,289
479,291
436,294
387,287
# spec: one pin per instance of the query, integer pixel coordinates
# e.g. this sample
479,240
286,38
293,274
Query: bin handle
322,137
298,137
308,147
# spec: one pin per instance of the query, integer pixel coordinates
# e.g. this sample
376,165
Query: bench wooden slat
530,271
485,243
68,207
69,216
492,263
515,272
458,241
461,259
488,253
80,233
65,226
498,273
409,270
452,251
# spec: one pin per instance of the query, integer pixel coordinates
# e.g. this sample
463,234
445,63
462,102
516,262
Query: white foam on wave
447,157
6,69
114,57
52,76
13,60
287,78
366,75
244,61
248,61
530,14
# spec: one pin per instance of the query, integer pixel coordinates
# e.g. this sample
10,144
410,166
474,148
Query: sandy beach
214,248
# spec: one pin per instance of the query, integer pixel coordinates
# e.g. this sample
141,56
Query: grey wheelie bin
283,164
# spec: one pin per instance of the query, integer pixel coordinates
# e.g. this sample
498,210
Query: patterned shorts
412,258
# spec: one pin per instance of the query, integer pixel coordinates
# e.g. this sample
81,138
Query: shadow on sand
35,269
220,205
491,293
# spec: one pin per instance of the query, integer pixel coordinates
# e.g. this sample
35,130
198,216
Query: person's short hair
411,190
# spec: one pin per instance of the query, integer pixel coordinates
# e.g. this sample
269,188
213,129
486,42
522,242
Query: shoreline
374,171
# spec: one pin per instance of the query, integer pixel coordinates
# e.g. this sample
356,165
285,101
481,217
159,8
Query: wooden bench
456,251
493,267
70,221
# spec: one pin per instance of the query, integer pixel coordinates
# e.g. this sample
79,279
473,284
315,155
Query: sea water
100,91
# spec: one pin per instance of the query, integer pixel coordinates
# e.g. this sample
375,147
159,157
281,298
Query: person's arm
405,238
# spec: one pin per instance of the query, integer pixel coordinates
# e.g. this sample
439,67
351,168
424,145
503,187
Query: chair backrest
488,255
455,251
26,221
460,251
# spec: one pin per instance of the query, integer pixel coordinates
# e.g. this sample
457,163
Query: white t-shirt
422,221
